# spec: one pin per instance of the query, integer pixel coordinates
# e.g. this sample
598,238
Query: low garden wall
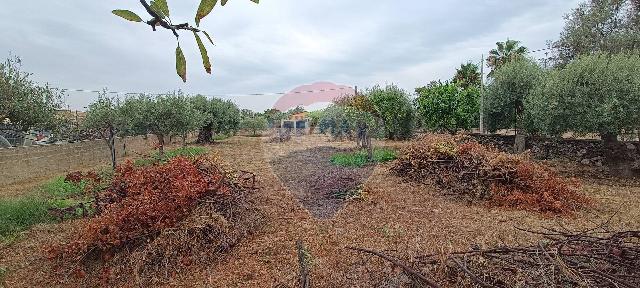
24,163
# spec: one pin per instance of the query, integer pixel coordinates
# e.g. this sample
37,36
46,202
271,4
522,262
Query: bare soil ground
394,216
315,182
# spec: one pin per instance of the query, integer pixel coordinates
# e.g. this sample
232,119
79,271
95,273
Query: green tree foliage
163,116
314,118
505,52
593,94
448,107
25,103
160,17
393,106
107,119
220,117
609,26
254,124
468,75
335,122
273,116
505,96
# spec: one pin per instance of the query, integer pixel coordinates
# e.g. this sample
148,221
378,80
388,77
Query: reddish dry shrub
477,172
77,177
142,201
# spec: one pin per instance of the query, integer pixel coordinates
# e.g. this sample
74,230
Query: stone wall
589,152
25,163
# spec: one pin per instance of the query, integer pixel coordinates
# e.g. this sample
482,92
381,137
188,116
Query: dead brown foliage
156,220
476,172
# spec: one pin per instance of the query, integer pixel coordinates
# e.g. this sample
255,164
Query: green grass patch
190,151
359,158
20,213
58,188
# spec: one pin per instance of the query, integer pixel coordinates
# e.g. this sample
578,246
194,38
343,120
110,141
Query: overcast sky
271,47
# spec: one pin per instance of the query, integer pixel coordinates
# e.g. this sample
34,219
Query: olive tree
448,107
505,96
607,26
220,117
393,106
254,124
160,15
163,116
24,102
597,93
105,117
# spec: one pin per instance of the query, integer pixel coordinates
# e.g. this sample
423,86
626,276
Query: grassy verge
20,213
359,158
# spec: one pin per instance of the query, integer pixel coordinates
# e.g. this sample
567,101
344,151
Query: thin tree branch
159,20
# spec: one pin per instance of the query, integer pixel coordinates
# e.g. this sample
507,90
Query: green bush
359,158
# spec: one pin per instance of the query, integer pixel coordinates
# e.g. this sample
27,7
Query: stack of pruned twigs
561,259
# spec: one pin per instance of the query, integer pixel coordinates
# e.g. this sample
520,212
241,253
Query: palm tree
506,52
468,75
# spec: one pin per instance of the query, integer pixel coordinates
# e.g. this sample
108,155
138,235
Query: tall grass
359,158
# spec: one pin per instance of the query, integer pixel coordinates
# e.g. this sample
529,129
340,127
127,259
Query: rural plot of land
395,215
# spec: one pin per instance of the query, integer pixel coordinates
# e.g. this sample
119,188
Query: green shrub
359,158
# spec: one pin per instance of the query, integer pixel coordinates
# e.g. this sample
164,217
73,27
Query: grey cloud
271,47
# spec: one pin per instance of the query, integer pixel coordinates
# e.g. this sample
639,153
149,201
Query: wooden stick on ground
404,267
304,269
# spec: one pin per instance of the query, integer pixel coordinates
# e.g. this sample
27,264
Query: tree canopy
468,75
448,106
393,106
593,94
608,26
24,102
506,94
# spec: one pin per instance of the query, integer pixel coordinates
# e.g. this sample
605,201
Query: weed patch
359,158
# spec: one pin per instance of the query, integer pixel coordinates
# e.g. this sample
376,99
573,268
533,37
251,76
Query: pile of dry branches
470,170
155,221
561,259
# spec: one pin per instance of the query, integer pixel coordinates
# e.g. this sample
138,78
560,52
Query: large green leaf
181,64
203,52
126,14
208,37
204,9
161,7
